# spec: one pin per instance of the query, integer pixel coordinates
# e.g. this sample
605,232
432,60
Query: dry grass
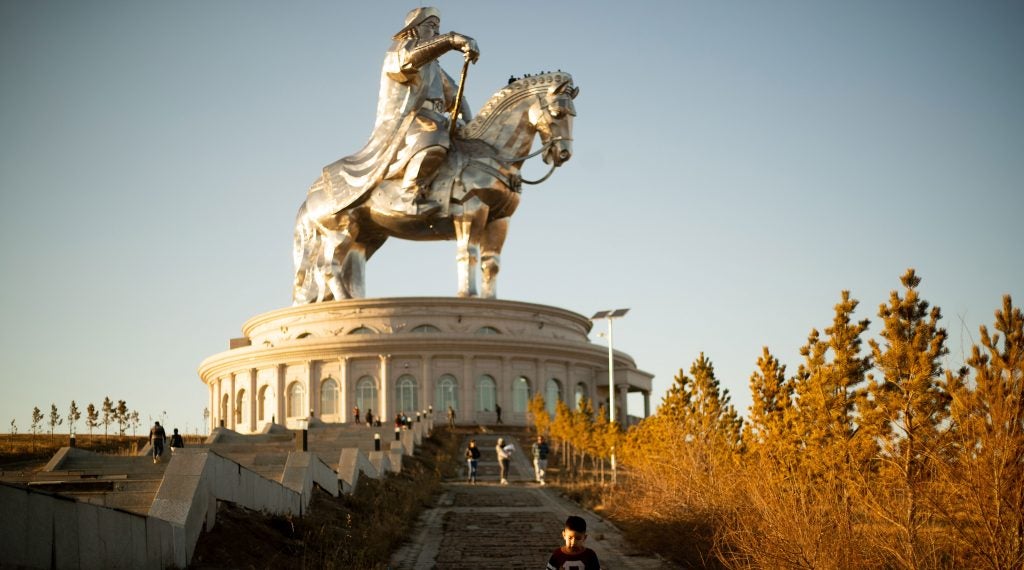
27,449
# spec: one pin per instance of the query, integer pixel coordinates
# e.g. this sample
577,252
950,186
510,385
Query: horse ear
574,92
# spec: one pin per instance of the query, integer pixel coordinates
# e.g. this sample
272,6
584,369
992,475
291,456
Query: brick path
515,526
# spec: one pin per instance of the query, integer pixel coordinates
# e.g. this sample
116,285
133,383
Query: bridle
544,148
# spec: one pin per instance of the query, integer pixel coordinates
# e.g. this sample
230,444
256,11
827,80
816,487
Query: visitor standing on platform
472,457
497,410
176,440
504,453
355,413
451,417
369,417
540,459
157,435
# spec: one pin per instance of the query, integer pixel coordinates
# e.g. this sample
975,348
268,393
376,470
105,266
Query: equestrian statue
430,170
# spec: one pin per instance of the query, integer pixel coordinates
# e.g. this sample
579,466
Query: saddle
467,161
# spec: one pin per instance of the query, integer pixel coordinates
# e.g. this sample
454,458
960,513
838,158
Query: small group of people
403,420
371,421
157,437
503,452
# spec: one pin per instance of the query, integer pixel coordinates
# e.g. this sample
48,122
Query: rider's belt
434,105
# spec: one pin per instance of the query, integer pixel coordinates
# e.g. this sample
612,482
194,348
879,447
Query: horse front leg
490,256
306,255
337,248
468,228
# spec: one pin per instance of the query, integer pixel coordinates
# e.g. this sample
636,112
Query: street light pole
609,315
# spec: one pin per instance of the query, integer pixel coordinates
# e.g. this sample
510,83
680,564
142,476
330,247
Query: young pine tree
986,502
561,431
583,431
37,419
55,419
766,433
133,419
92,418
826,390
704,408
905,412
73,416
539,414
121,416
108,415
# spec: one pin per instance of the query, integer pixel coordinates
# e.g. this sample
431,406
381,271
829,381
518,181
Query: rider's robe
406,107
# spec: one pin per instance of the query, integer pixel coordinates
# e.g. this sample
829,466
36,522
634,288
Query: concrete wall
42,530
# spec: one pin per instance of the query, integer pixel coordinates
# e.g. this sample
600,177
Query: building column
383,408
570,387
215,410
539,380
232,404
346,406
504,398
466,391
313,389
280,416
251,412
211,419
622,403
428,383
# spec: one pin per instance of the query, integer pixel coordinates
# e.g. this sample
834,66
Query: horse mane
514,92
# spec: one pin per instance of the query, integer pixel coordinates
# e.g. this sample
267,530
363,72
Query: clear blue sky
737,164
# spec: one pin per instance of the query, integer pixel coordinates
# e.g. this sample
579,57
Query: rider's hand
468,46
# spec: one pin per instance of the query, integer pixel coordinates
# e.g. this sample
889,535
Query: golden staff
458,98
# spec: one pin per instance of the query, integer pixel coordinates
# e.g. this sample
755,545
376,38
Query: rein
541,150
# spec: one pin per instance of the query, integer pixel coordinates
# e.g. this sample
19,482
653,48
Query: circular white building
410,354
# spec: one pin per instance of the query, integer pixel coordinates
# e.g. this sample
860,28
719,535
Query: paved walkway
488,525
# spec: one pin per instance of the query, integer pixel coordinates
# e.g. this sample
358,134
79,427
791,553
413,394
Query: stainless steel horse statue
479,186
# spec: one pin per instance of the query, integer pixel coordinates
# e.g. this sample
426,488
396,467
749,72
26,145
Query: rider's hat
416,17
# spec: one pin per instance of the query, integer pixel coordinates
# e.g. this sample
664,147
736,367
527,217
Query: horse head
554,122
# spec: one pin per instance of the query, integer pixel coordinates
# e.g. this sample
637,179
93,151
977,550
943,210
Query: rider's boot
419,173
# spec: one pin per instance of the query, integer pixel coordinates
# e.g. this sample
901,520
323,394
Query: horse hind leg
490,256
338,246
468,228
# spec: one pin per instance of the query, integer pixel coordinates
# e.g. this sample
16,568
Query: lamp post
609,315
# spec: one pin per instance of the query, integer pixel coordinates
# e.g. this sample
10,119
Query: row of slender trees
109,414
862,458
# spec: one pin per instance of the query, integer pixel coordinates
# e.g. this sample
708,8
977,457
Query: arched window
447,389
487,330
552,394
224,401
579,394
241,403
366,395
425,329
485,394
407,401
296,395
362,330
329,397
520,394
261,404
